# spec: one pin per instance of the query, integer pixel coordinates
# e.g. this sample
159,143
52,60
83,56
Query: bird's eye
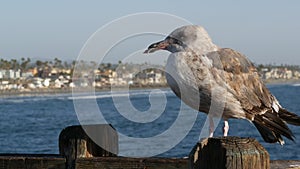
176,41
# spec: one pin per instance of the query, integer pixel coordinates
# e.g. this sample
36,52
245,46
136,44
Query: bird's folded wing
242,80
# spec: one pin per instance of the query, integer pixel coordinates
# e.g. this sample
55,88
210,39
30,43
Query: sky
266,31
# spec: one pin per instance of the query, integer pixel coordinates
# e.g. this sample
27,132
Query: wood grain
229,153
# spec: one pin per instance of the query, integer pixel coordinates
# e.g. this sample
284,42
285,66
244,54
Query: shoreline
56,91
281,81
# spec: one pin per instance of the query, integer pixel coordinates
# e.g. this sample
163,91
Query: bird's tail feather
289,117
272,127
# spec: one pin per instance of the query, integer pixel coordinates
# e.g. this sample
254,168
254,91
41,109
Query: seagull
207,77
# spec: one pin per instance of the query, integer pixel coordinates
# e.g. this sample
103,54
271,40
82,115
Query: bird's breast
186,69
192,79
185,77
179,72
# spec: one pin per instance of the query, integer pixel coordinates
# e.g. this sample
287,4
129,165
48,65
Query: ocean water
31,124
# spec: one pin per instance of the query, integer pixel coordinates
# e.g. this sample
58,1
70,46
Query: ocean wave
24,99
77,96
120,94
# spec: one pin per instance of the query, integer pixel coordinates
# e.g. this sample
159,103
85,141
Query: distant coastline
281,81
66,90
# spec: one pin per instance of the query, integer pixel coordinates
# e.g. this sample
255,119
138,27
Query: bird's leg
225,128
211,126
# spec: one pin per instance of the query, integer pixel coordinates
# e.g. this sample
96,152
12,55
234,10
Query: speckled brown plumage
200,73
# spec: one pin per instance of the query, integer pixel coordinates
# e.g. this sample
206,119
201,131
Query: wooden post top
229,141
229,153
87,141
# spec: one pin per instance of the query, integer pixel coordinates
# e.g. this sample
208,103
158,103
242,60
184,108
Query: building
10,74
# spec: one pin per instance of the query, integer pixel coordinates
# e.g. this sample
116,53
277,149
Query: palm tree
39,63
57,63
7,65
24,63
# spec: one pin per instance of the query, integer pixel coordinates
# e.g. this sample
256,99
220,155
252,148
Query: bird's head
187,38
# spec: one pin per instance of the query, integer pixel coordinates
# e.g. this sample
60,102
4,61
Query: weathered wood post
229,153
75,143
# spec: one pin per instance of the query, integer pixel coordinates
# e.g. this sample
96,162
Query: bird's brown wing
244,83
242,80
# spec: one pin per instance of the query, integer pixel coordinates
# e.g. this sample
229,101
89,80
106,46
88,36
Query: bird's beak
162,45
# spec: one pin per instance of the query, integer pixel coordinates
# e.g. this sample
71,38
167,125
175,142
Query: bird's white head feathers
190,38
195,38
